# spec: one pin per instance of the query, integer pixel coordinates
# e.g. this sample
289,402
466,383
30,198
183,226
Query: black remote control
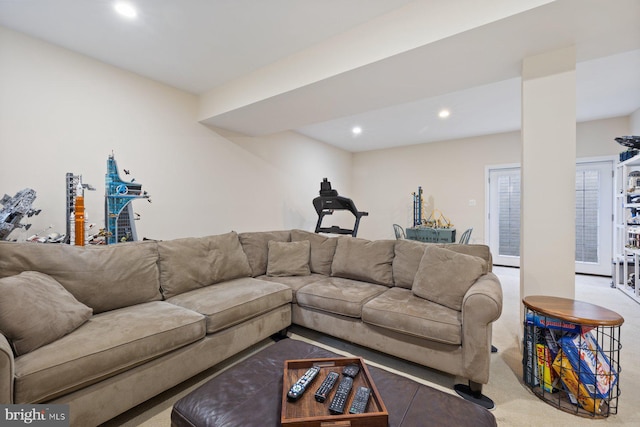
342,393
326,386
360,400
300,386
351,370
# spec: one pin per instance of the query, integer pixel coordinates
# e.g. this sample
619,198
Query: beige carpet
515,404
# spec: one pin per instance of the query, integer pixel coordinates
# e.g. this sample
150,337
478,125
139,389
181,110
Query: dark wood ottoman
249,394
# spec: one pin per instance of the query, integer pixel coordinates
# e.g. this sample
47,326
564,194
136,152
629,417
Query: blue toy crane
119,215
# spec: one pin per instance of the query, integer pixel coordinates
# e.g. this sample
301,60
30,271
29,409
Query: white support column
547,235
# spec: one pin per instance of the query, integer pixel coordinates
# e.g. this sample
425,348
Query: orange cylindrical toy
79,220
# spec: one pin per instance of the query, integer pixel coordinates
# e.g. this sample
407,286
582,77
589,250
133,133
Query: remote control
300,386
351,370
326,386
342,393
360,400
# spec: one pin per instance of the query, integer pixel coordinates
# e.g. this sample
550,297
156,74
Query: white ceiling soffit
471,64
194,45
484,110
485,61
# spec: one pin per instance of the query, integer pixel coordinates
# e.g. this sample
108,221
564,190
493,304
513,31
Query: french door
594,200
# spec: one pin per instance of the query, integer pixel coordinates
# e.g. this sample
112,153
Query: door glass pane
509,214
593,210
587,204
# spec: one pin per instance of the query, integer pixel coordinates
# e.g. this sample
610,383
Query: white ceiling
201,45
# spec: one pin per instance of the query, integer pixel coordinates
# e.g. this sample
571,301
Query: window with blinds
587,207
508,187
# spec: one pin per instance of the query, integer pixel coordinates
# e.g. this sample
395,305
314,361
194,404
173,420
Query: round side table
571,354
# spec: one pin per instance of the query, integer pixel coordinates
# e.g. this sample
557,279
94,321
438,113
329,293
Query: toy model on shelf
418,207
15,208
119,215
435,229
76,215
330,201
632,142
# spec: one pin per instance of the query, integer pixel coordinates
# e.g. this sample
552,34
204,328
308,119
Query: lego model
418,203
15,208
76,215
119,216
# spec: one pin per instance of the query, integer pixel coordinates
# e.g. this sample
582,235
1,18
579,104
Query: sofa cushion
233,302
294,282
36,310
108,344
365,260
256,246
101,277
406,261
338,295
401,311
478,250
444,276
322,250
194,262
288,258
408,254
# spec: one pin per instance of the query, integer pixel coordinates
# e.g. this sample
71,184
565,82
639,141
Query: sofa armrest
481,306
6,371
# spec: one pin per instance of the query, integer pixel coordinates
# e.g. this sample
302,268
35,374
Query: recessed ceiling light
356,130
125,9
443,114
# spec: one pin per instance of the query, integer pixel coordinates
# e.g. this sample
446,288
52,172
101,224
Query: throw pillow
256,245
288,258
365,260
322,250
36,310
445,276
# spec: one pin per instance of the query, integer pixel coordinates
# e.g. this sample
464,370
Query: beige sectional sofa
106,328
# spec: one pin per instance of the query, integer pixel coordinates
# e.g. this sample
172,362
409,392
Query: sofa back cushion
256,246
288,259
445,276
406,261
408,254
322,250
101,277
36,310
194,262
481,251
365,260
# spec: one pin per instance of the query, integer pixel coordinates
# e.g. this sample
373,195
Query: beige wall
451,174
635,123
62,112
300,163
596,138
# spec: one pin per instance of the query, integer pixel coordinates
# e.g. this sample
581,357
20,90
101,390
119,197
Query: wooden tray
307,412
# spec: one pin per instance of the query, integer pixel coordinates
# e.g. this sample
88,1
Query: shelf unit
626,229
